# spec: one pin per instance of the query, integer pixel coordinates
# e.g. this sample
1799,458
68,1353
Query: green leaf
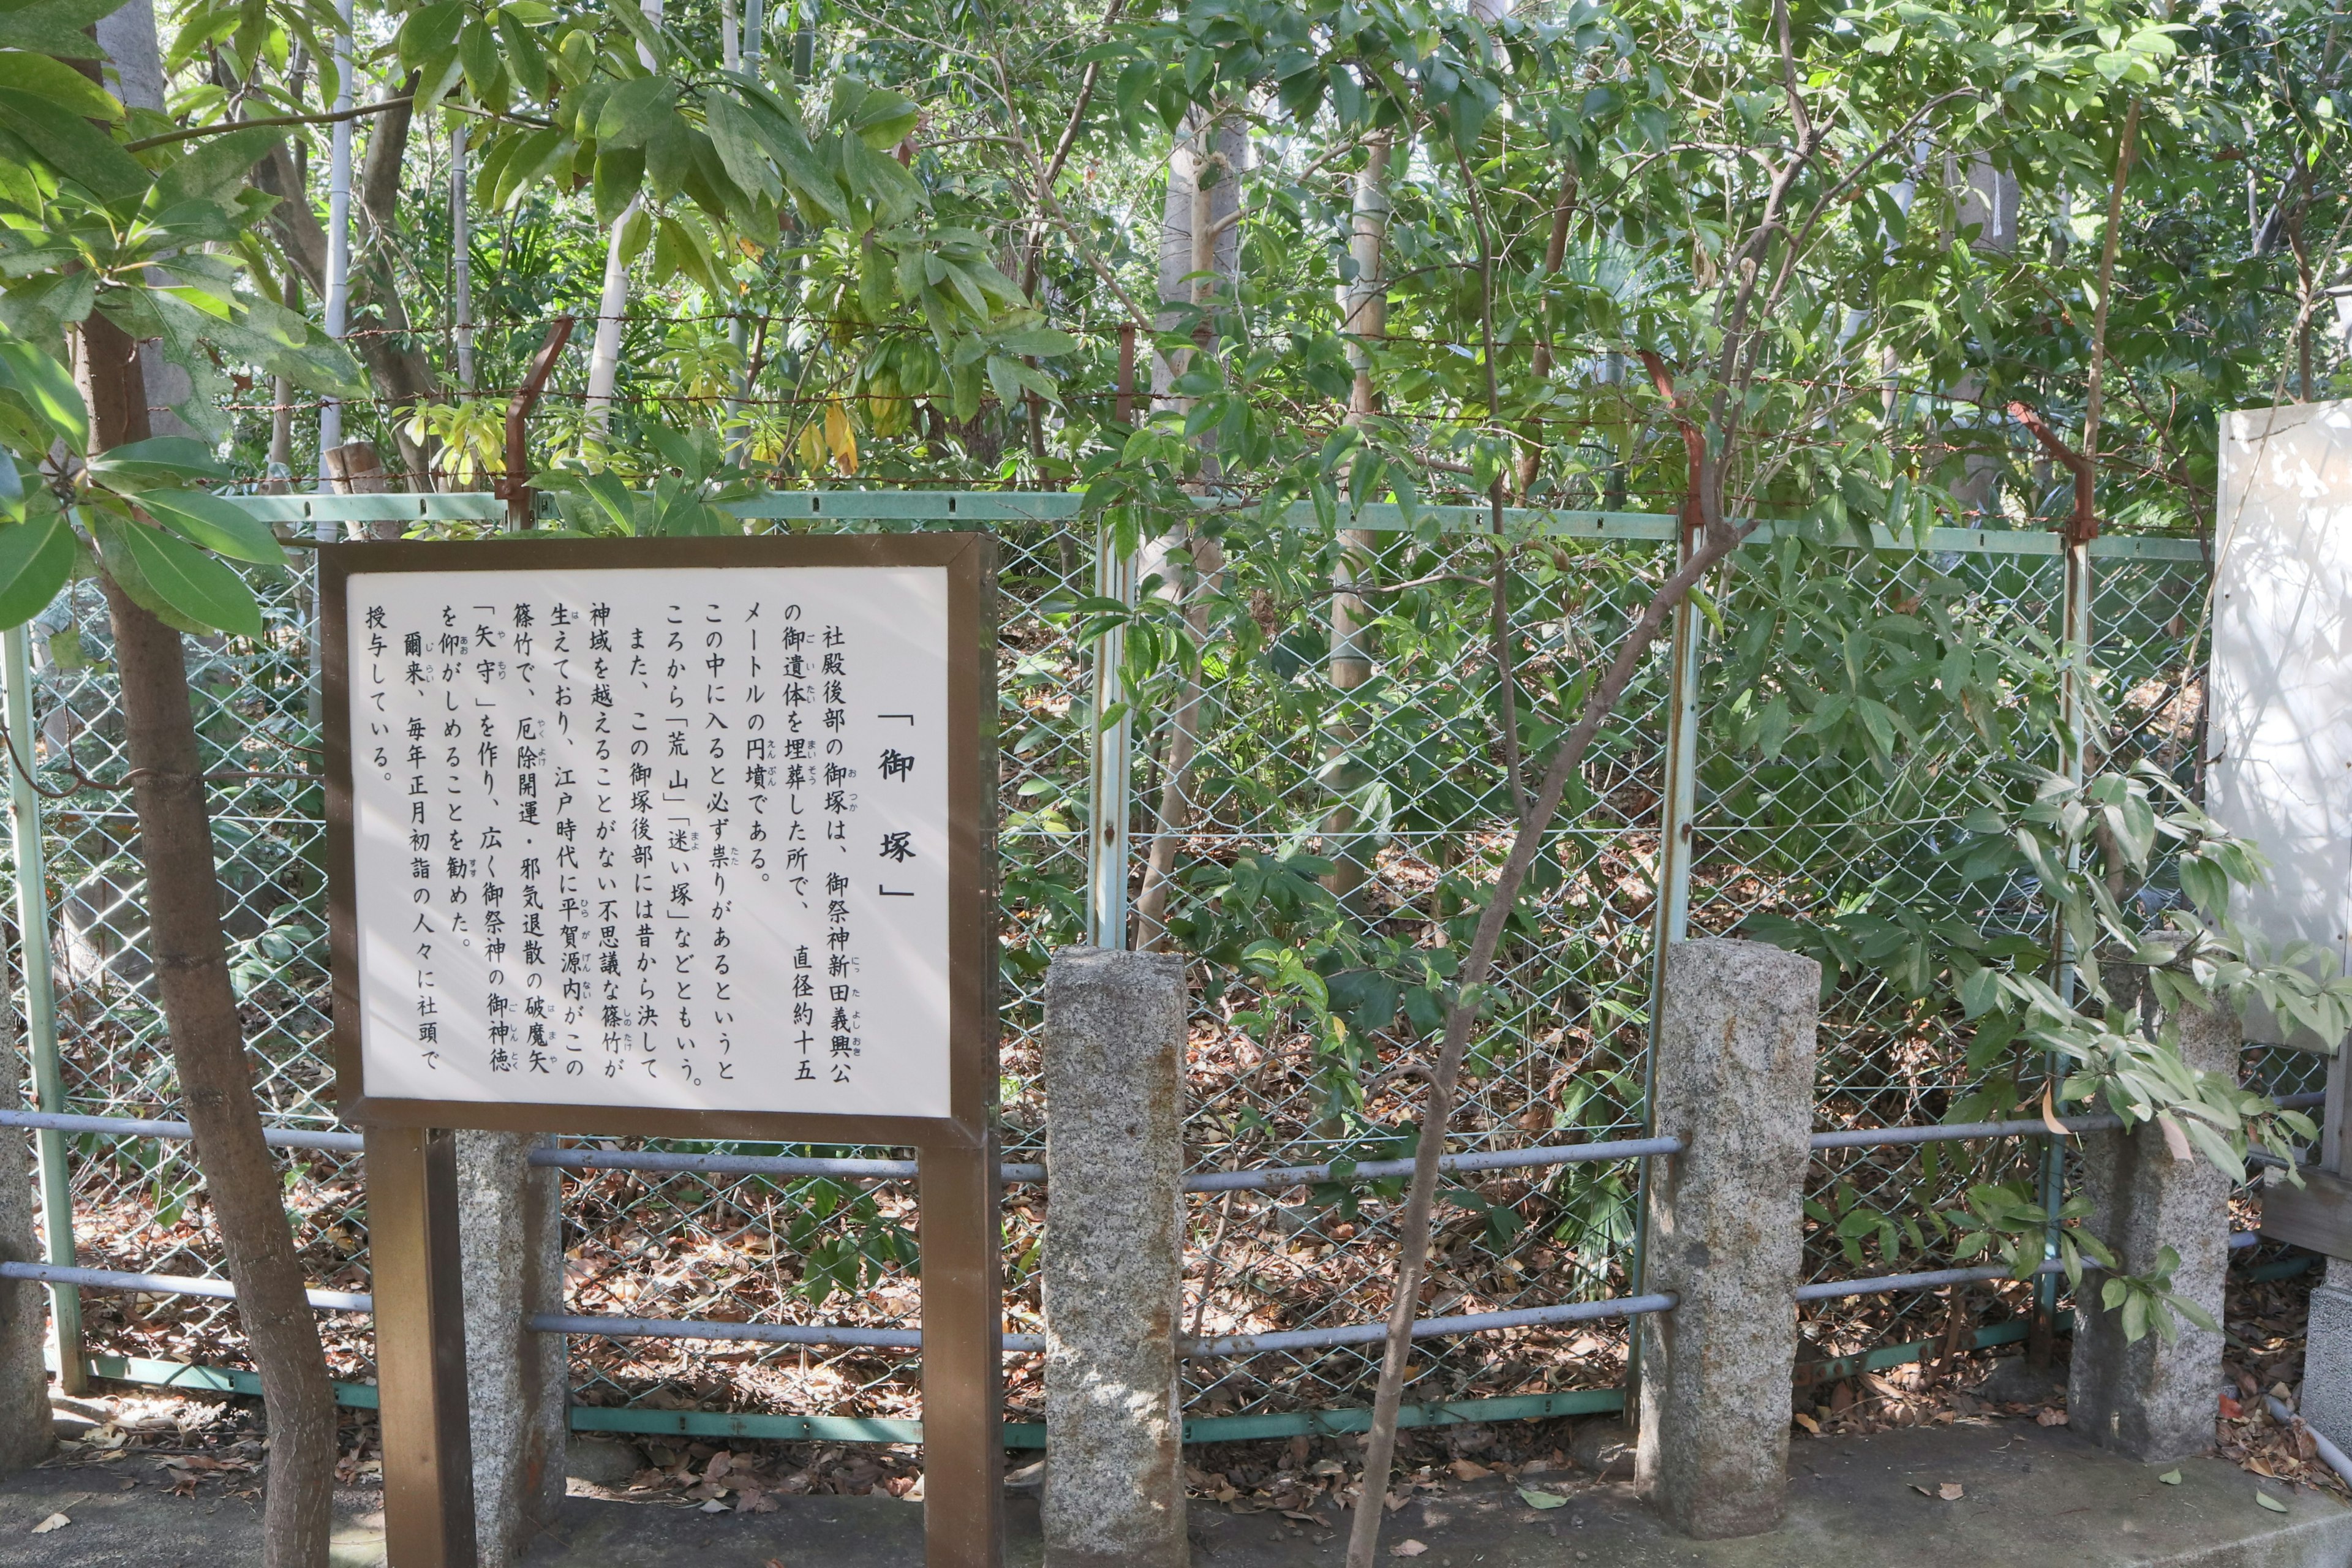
526,61
218,525
160,459
430,32
1534,1499
214,172
68,89
873,268
47,389
55,27
2269,1501
736,136
486,77
618,172
178,582
36,559
2169,1477
76,149
1044,342
635,110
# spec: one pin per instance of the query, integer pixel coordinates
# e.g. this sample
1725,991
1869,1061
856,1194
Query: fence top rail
1058,506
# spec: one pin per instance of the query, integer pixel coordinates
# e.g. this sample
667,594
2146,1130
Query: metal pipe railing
1262,1179
169,1285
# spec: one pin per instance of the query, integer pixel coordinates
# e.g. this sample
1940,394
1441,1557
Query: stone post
511,1238
2152,1401
25,1432
1114,1260
2326,1402
1735,1083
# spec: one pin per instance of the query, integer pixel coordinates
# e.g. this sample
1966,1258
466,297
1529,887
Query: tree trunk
1200,240
1363,317
207,1038
399,369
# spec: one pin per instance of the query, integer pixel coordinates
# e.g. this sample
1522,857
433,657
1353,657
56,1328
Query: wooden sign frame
420,1321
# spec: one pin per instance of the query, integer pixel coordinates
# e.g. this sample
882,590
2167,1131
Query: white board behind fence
2279,738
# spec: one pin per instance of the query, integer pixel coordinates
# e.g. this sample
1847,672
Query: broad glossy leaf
176,581
214,172
72,146
526,61
36,559
635,110
46,389
214,523
737,138
159,460
64,86
55,27
430,32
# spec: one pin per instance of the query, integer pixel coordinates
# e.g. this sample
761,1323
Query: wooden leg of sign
420,1348
963,1358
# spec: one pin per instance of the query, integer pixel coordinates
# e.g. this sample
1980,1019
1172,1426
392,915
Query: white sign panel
2280,746
671,838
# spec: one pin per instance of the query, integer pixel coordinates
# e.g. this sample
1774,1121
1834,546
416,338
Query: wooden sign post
674,839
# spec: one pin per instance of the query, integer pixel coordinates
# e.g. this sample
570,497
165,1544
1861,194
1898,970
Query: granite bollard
2152,1401
26,1433
1735,1083
1114,1260
2325,1399
511,1241
26,1436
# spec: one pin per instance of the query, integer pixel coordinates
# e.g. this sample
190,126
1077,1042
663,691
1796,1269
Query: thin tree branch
194,131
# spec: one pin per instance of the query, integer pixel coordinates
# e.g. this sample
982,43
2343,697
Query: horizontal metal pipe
1223,1345
167,1284
759,1333
2329,1454
1888,1284
719,1164
1276,1177
1877,1137
1429,1327
130,1127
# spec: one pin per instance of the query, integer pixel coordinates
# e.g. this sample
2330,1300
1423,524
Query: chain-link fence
1319,798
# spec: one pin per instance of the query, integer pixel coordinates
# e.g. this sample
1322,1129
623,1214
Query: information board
658,836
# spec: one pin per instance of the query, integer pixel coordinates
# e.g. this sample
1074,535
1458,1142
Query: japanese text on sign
671,838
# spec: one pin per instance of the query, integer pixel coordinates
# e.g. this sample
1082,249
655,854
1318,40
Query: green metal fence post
41,1006
1110,750
1670,921
2074,648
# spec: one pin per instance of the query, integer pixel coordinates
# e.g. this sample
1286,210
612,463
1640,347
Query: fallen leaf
2230,1408
1534,1499
1809,1424
2269,1501
1407,1549
714,1506
2170,1477
2049,1418
1951,1491
1923,1491
1395,1501
55,1522
1470,1470
773,1563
